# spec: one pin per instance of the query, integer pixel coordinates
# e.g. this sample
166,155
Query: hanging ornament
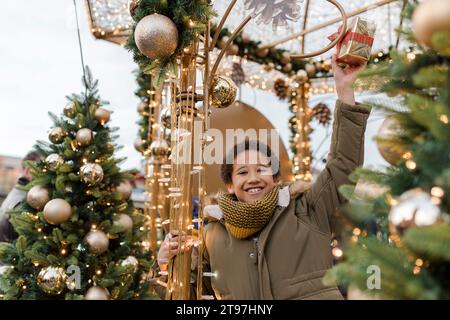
54,161
285,58
91,173
97,241
102,115
389,129
233,50
159,148
310,70
281,88
156,36
124,222
326,65
430,17
37,197
142,107
125,189
84,137
414,208
96,293
262,52
56,135
52,280
166,117
322,113
275,12
130,261
139,144
237,74
269,67
245,38
57,211
223,92
301,76
132,6
70,110
287,67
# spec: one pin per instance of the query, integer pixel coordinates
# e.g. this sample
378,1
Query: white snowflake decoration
279,12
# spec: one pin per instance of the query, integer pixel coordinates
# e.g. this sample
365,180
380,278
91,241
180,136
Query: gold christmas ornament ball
287,67
159,148
156,36
285,58
245,38
414,208
37,197
57,211
96,293
139,144
310,70
142,107
54,161
56,135
97,241
262,52
223,41
326,65
84,137
429,17
233,50
223,92
130,261
301,76
125,189
389,129
70,110
102,115
124,222
52,280
91,173
166,119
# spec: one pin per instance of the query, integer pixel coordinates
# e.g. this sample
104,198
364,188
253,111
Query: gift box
356,46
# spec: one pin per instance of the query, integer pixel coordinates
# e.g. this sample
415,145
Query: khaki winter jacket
290,256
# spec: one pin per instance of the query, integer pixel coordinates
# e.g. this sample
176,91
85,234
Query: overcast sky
40,65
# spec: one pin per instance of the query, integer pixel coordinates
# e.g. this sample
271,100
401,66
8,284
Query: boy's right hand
171,246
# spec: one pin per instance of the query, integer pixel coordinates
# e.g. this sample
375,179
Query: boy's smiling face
252,176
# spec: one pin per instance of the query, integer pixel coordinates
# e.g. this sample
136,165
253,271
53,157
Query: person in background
15,196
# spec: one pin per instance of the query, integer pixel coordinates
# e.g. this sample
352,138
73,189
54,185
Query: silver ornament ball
54,161
97,241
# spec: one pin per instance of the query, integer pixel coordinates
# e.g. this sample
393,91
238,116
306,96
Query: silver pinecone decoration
279,12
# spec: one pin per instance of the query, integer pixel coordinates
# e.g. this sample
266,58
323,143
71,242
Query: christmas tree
399,237
79,236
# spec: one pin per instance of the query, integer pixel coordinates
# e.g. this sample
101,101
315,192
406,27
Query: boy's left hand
345,79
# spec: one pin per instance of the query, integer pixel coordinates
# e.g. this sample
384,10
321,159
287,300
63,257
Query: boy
263,241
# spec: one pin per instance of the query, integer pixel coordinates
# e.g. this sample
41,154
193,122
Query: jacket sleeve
320,203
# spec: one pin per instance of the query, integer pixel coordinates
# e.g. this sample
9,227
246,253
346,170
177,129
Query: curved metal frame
334,42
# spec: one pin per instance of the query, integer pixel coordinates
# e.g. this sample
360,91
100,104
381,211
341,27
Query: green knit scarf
244,219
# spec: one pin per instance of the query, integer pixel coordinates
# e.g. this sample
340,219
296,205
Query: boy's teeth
254,190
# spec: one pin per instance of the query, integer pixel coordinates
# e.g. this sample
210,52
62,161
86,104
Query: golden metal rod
328,23
334,42
222,22
305,21
224,49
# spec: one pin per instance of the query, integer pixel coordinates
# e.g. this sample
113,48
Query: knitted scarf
244,219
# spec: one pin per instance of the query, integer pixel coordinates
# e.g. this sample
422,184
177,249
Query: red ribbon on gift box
359,37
